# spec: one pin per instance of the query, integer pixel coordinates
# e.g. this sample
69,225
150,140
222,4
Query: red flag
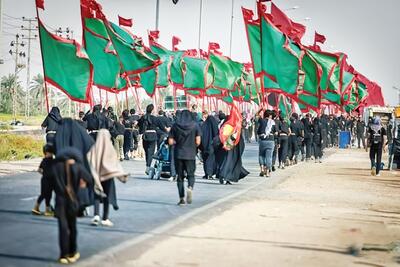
40,4
154,35
229,134
247,14
125,22
213,46
203,53
191,52
319,38
294,30
175,42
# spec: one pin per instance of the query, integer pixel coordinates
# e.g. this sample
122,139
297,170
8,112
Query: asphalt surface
28,240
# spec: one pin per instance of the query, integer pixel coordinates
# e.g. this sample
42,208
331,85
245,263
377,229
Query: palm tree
38,94
11,95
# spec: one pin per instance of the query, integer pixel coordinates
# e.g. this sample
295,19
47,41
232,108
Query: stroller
161,165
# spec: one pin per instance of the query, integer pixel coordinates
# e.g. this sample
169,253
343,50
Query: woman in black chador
209,130
230,167
51,123
69,176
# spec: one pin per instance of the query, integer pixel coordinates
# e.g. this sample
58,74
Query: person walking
147,127
377,143
185,134
104,166
283,133
50,123
295,138
69,176
117,134
307,135
317,140
360,130
266,136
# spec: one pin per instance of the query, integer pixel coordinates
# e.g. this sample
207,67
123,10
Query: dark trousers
334,138
283,149
106,202
149,149
375,155
324,136
317,150
307,143
127,141
46,189
135,140
185,166
360,138
294,147
67,232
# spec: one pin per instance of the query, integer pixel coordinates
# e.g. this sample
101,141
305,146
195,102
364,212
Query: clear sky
366,30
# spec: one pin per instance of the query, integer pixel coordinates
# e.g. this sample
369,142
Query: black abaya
209,132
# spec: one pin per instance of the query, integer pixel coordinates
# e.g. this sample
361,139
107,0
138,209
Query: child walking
46,183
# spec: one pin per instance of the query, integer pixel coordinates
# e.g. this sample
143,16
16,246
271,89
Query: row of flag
283,72
112,58
301,74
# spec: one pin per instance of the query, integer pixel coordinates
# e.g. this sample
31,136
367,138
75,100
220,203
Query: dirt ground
311,219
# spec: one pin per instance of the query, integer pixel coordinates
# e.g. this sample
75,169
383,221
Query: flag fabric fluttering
293,30
229,133
319,38
66,65
175,42
40,4
125,22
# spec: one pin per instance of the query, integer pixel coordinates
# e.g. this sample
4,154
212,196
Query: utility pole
30,28
18,54
68,34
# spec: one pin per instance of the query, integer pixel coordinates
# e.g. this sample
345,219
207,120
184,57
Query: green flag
226,71
195,73
163,68
133,58
66,65
279,57
103,56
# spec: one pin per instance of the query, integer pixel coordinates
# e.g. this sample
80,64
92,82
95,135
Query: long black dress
209,131
230,167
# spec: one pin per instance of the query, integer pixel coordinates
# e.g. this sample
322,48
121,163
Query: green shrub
17,147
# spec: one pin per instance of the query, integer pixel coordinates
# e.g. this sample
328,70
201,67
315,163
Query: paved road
27,240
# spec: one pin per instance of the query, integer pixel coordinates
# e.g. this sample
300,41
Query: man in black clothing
163,127
127,123
360,130
80,119
111,114
185,134
296,137
307,135
95,121
135,129
333,127
324,130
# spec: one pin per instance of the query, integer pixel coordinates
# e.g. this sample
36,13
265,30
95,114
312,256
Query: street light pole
157,13
200,15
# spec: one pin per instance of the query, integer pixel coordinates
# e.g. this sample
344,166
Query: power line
11,17
11,25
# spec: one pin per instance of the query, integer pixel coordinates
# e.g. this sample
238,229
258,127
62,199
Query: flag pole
44,72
